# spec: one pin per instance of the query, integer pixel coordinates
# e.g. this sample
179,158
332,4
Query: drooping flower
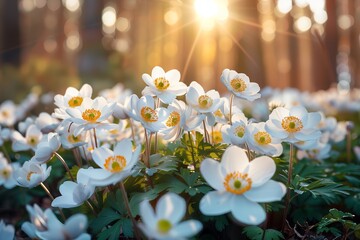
32,138
165,222
114,165
45,225
261,141
239,84
165,85
74,194
7,172
46,148
204,102
91,114
293,125
71,99
318,151
239,186
7,232
31,174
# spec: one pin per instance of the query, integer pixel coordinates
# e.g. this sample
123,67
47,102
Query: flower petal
261,169
171,207
234,159
100,155
216,203
211,171
186,229
268,192
76,225
247,212
147,214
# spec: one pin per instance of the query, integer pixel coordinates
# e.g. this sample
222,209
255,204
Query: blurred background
48,45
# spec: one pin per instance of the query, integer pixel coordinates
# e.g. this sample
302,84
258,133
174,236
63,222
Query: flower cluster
188,151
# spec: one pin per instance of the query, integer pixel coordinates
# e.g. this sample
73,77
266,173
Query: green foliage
113,220
335,221
256,233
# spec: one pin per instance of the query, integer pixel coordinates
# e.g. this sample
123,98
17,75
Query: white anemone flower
235,133
319,151
91,114
74,194
46,148
67,136
32,138
24,125
239,186
259,140
239,84
7,172
293,125
8,113
204,102
7,232
31,174
181,117
164,85
153,119
114,165
38,219
74,228
5,134
165,222
222,115
71,99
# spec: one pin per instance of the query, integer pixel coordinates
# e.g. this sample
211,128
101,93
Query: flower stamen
75,101
291,124
115,164
237,183
164,226
205,101
173,120
91,115
262,138
161,83
149,114
239,131
238,85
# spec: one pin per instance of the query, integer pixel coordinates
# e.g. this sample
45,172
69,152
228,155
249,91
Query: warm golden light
284,6
303,24
210,11
109,16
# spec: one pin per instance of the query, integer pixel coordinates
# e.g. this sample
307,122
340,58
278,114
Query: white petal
76,225
86,90
167,97
247,212
148,79
261,169
268,192
95,174
124,148
211,171
67,188
234,159
147,214
100,155
173,76
216,203
171,207
64,202
157,72
186,229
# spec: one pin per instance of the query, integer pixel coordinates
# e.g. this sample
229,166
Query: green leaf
272,234
127,228
166,163
253,232
105,217
111,233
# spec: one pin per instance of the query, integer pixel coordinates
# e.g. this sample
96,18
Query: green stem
127,205
288,193
231,101
52,199
192,150
65,165
6,154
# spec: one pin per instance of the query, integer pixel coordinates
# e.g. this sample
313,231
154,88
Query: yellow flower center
237,183
5,173
262,138
32,140
239,131
115,164
71,138
218,113
91,115
149,114
75,101
217,137
164,226
5,113
291,124
28,176
161,83
238,85
173,119
205,101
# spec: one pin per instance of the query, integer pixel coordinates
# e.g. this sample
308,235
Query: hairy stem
65,165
